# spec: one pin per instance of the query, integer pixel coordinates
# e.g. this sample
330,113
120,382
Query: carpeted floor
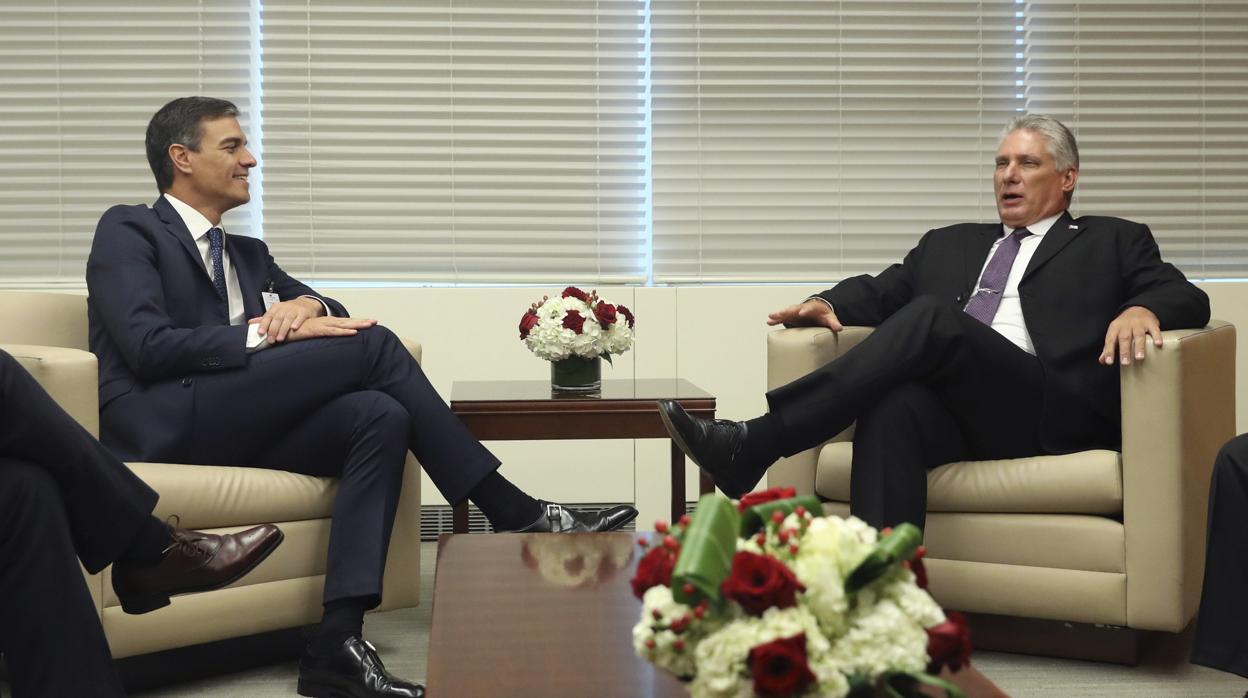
402,637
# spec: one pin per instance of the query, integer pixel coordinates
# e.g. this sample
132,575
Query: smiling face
213,177
1026,182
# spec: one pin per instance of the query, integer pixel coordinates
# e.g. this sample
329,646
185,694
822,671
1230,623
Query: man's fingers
1124,348
1138,342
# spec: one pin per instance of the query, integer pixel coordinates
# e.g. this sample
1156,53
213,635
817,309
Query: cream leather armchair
47,333
1096,537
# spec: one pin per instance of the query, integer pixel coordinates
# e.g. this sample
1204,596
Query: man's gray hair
1061,142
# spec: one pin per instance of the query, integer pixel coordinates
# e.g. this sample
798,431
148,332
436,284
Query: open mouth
1011,197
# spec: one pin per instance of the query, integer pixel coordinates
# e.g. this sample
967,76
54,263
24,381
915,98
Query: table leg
678,483
705,484
459,517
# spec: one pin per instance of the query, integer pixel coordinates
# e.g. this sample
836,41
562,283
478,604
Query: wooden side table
623,409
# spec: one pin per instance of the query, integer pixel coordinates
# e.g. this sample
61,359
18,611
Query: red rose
759,582
527,323
653,569
779,667
771,495
628,315
577,293
574,321
949,644
605,312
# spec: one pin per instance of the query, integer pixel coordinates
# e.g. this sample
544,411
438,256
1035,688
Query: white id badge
270,300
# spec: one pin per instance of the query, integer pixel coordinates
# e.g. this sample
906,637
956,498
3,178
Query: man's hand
329,327
281,319
813,312
1128,333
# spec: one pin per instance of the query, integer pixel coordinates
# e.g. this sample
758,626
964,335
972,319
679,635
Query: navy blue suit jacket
1085,272
156,324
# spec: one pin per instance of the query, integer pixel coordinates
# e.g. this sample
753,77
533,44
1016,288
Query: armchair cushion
1087,482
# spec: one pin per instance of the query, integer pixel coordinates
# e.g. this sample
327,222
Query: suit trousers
345,407
931,385
62,495
1221,642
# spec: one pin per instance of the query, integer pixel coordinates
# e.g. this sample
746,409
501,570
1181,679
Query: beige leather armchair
1095,537
47,333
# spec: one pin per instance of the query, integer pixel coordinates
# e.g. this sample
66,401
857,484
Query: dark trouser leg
50,635
1221,641
360,438
107,505
896,441
992,388
282,386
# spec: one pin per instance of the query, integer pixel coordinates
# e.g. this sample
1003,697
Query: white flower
881,638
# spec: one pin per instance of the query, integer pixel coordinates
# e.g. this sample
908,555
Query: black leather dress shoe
716,445
557,518
351,670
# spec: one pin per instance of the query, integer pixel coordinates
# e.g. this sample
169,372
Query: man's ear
180,155
1069,178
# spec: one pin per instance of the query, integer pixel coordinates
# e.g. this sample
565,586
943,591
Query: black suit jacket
1084,273
156,323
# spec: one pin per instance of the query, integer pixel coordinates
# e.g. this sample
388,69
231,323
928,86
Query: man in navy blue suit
210,353
64,496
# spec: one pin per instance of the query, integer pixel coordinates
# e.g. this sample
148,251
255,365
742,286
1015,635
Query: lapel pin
1072,227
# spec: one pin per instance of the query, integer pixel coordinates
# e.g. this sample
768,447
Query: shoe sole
146,603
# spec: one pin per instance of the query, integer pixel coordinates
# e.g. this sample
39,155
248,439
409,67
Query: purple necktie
216,244
983,304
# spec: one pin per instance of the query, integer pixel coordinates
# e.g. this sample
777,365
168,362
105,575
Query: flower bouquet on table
767,599
574,332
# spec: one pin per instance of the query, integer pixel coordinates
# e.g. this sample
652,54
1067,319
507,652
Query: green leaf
757,516
706,552
898,545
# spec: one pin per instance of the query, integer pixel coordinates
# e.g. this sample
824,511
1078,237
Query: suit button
186,382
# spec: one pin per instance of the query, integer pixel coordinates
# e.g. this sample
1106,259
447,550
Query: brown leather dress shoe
194,561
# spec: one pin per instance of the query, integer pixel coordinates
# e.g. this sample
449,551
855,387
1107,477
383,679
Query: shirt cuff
328,312
255,341
823,300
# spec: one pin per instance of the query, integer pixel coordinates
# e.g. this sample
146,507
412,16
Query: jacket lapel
977,247
175,227
1060,235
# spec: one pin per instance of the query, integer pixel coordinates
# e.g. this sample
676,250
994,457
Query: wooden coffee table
624,409
551,615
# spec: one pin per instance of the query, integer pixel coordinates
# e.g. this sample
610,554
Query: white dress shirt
1009,318
199,227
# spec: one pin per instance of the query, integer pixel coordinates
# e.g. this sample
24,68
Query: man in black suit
986,347
210,353
1221,642
64,496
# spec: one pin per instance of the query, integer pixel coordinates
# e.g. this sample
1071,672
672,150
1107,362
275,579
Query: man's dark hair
179,122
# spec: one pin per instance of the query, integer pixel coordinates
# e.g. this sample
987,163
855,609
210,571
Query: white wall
714,336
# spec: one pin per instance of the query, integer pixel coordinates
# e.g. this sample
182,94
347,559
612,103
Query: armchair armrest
1178,408
70,376
791,354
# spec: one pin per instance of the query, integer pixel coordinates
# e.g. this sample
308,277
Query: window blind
464,141
814,140
1156,93
79,83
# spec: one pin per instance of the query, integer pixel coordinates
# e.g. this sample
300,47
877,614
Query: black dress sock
342,618
762,444
506,506
150,544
